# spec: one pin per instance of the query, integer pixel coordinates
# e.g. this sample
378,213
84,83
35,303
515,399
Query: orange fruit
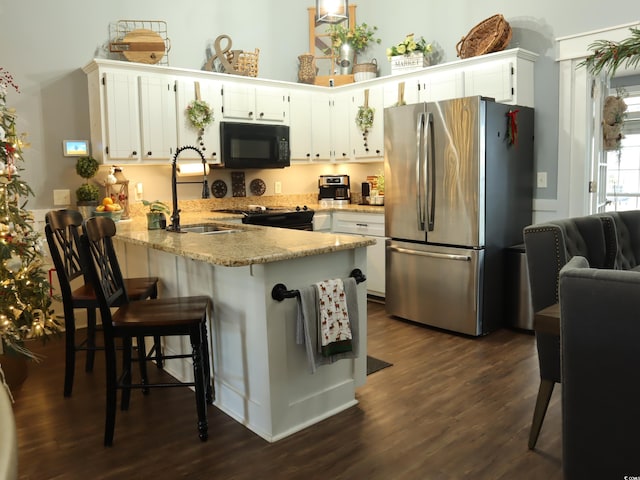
107,201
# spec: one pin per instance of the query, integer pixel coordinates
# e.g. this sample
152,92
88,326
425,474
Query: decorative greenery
200,114
609,56
88,193
87,167
360,37
156,206
25,304
364,118
409,45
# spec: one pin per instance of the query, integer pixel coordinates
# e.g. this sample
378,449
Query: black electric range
298,218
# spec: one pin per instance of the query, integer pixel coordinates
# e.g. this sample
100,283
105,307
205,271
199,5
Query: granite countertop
250,245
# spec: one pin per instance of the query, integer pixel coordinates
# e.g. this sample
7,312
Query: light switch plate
542,180
61,197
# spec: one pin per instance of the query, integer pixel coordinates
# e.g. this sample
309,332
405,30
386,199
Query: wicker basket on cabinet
491,35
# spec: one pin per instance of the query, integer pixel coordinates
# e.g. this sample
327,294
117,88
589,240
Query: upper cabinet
137,111
209,91
246,102
367,123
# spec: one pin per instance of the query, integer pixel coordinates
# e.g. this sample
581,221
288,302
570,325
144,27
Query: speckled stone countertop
250,245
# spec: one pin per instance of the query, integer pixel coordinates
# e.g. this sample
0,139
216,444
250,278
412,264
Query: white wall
44,44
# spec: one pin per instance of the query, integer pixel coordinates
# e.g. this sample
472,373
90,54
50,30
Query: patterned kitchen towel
307,324
333,318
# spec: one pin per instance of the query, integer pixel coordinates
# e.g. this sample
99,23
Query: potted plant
349,42
409,54
88,194
156,218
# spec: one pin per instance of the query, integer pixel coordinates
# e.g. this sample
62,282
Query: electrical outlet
139,191
61,197
278,187
542,180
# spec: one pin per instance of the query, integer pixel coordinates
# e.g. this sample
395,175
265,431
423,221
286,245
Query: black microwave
254,145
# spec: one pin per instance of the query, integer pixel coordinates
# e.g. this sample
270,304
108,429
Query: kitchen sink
209,228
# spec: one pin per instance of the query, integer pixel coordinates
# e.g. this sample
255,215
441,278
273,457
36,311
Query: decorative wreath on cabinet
364,118
200,114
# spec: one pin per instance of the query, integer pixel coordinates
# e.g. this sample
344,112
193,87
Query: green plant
88,193
609,56
409,45
87,167
156,206
359,37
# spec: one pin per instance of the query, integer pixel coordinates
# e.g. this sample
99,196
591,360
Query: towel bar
279,291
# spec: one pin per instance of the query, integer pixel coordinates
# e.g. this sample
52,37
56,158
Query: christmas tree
25,303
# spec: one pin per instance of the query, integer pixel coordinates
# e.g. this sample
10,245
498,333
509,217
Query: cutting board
140,45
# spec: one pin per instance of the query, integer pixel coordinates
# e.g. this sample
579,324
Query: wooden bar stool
62,230
183,316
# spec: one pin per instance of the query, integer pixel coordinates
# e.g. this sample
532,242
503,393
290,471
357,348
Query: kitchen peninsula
261,376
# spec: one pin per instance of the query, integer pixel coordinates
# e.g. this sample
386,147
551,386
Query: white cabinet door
402,90
248,103
271,104
157,117
121,116
368,145
300,115
493,80
442,86
321,127
322,222
341,124
372,225
187,133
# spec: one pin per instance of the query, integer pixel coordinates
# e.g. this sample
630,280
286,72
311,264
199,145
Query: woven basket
245,62
365,71
490,35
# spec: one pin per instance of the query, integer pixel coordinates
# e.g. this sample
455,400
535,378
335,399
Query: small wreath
364,119
200,114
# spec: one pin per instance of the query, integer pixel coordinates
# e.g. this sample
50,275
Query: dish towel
334,330
307,331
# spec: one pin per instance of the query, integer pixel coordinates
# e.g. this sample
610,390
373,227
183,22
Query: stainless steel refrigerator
458,191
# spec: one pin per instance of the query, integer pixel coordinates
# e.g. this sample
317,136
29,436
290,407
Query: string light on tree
25,304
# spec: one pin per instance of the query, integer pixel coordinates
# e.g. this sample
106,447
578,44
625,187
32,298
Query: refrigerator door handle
446,256
420,162
430,166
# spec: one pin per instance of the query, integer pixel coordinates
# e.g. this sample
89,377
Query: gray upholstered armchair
549,247
600,332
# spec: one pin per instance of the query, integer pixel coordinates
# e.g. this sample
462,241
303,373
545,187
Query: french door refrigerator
458,191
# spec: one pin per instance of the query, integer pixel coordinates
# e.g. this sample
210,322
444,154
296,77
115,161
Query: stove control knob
305,208
297,208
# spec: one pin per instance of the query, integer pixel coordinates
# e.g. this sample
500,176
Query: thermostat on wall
75,148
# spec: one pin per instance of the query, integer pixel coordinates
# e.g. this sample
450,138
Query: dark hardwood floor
450,407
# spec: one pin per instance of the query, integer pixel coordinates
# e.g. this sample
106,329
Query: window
623,165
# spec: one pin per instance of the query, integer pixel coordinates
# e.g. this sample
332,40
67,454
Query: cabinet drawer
359,223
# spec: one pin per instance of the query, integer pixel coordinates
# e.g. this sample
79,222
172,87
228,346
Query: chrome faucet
175,215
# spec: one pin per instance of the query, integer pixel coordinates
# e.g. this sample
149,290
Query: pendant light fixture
332,11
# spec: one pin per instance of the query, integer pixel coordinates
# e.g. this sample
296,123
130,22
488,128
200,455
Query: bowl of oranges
108,208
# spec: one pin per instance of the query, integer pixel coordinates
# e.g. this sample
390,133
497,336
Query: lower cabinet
371,225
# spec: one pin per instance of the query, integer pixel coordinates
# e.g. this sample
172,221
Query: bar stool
62,230
183,316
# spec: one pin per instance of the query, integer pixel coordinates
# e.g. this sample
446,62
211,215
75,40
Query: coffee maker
334,189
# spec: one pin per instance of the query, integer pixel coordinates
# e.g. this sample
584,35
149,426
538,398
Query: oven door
292,220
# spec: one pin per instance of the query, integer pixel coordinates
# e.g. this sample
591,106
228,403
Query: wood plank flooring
450,407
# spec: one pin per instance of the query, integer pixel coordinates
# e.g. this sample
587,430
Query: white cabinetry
209,91
250,103
371,145
157,116
321,222
300,117
371,225
442,86
341,123
132,116
120,116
